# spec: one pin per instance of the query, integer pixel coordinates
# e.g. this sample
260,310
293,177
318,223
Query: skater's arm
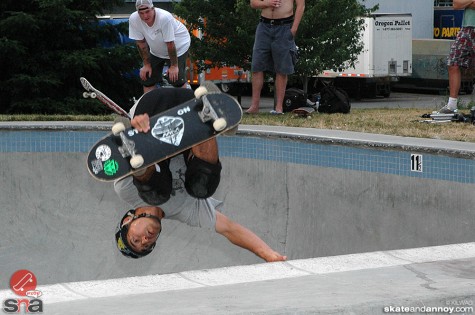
245,238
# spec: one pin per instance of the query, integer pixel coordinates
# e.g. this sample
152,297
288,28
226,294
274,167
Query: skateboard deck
303,111
125,150
436,118
92,92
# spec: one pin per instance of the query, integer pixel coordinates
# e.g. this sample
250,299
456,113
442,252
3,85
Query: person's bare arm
462,4
173,69
299,9
144,52
245,238
263,4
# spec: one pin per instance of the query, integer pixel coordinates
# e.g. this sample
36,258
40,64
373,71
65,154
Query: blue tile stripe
280,150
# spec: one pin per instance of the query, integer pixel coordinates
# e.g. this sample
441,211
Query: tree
222,32
227,28
328,36
46,45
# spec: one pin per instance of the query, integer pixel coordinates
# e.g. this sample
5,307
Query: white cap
143,4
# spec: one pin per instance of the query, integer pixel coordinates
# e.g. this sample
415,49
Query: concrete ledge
358,284
447,147
436,146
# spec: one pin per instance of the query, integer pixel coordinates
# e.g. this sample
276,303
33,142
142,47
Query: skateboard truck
208,113
128,146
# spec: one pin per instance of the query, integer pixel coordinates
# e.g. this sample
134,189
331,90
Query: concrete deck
416,280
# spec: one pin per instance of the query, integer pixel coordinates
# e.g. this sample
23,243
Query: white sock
452,103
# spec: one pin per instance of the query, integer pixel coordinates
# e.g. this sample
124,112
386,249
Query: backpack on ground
294,98
334,100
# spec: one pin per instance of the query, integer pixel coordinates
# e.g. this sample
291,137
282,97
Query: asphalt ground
396,100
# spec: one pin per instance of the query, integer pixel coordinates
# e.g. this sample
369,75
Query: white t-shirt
164,29
180,206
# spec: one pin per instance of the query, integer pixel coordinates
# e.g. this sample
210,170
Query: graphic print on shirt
178,184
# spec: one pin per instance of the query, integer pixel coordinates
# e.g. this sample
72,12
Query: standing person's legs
261,62
257,83
280,86
455,80
284,54
460,56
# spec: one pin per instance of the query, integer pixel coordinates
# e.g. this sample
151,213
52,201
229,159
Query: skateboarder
177,189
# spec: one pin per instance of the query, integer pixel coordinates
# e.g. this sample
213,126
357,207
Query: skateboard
126,151
436,118
92,92
305,112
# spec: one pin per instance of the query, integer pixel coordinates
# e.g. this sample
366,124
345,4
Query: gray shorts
157,71
274,49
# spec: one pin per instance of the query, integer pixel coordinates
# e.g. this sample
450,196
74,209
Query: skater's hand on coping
141,123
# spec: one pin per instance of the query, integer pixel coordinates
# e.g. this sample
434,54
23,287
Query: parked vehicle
386,56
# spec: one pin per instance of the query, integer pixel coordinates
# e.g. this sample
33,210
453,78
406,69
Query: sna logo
29,306
23,283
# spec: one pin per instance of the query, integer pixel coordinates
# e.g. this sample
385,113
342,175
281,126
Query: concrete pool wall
307,193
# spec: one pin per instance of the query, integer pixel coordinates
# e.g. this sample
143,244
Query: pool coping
328,136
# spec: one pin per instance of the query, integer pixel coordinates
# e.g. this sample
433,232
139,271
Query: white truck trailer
386,56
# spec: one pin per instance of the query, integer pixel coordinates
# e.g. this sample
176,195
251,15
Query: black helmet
121,235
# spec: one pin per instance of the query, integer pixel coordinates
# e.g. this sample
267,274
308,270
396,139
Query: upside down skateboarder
179,188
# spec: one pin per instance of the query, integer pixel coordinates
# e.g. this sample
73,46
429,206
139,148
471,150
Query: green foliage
329,33
46,45
227,28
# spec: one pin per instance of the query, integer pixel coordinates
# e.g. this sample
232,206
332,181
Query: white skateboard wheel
201,91
219,124
118,128
93,95
85,94
136,161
